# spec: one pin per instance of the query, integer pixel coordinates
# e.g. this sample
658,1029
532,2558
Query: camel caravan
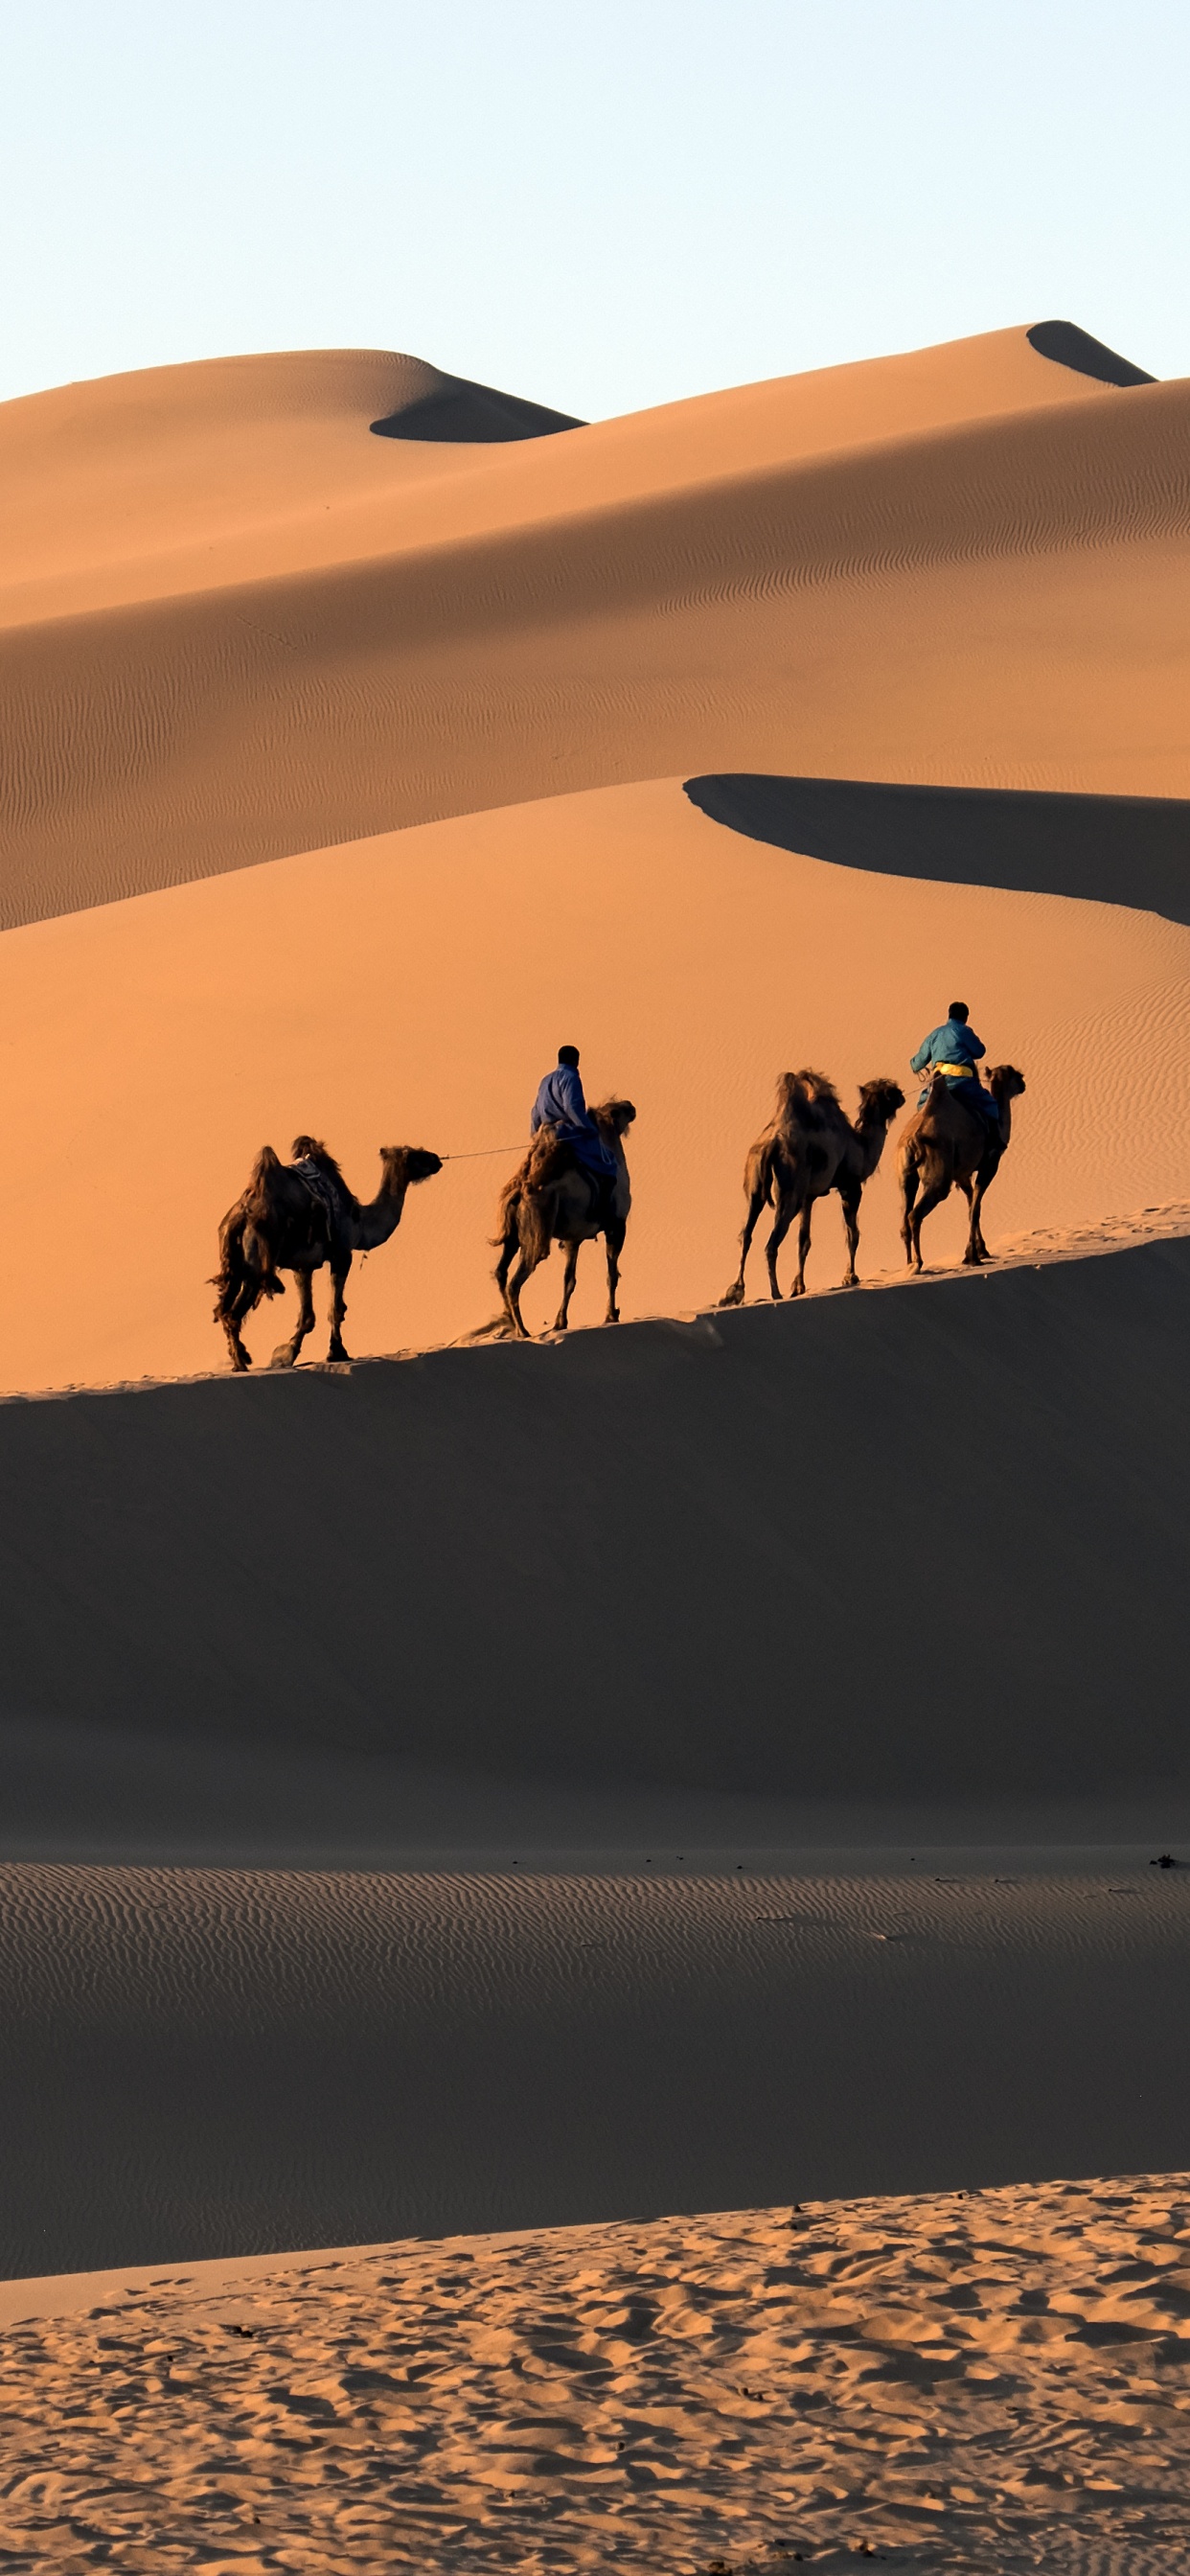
573,1186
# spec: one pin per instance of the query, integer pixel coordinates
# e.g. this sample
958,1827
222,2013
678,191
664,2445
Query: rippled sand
989,2381
227,2062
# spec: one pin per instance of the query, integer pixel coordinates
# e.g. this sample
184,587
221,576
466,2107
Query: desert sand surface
383,1563
216,2062
350,1892
716,1765
968,2381
413,988
129,486
967,568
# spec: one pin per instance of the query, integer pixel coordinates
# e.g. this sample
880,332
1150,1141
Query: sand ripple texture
994,2381
222,2062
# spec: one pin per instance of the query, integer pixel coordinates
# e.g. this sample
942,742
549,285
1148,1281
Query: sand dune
961,2383
213,2062
993,600
414,988
386,1561
109,488
685,1767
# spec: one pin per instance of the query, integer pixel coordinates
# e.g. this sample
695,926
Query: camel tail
262,1211
233,1274
506,1216
247,1271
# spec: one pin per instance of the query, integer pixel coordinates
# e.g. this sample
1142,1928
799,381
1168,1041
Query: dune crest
906,572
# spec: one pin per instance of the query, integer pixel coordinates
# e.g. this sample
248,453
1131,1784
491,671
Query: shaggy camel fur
944,1144
808,1149
552,1200
296,1216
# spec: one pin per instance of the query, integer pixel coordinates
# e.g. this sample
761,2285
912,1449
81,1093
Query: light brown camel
296,1216
809,1148
879,1102
944,1144
553,1200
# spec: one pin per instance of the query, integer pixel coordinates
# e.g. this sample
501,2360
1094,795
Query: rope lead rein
480,1153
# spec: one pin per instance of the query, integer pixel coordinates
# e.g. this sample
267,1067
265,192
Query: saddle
551,1157
323,1187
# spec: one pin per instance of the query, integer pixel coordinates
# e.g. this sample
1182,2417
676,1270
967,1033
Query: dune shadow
470,415
1131,850
1068,346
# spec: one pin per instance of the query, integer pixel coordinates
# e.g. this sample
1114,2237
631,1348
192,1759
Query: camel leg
971,1255
238,1309
523,1272
239,1285
569,1276
335,1349
735,1294
931,1198
508,1250
803,1246
286,1353
977,1249
850,1208
614,1245
909,1187
786,1211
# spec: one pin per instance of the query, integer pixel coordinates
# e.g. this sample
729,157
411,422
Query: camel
296,1216
944,1144
808,1149
552,1200
879,1102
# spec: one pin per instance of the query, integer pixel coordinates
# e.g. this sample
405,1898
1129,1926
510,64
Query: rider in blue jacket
954,1050
560,1104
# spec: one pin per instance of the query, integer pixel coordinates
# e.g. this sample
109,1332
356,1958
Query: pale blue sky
597,203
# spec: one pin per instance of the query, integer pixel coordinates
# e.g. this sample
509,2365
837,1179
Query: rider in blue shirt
560,1104
954,1050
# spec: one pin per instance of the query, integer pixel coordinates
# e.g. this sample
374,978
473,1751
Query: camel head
404,1163
618,1114
1005,1081
879,1102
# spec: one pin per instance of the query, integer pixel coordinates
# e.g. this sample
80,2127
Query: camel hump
277,1193
267,1162
806,1100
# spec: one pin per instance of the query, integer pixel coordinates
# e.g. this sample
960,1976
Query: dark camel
297,1216
553,1200
808,1149
943,1146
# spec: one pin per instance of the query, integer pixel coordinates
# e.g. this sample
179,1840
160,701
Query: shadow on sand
1104,849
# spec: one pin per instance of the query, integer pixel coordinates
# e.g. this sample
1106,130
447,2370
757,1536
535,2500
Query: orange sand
413,988
240,628
342,780
983,2381
969,565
